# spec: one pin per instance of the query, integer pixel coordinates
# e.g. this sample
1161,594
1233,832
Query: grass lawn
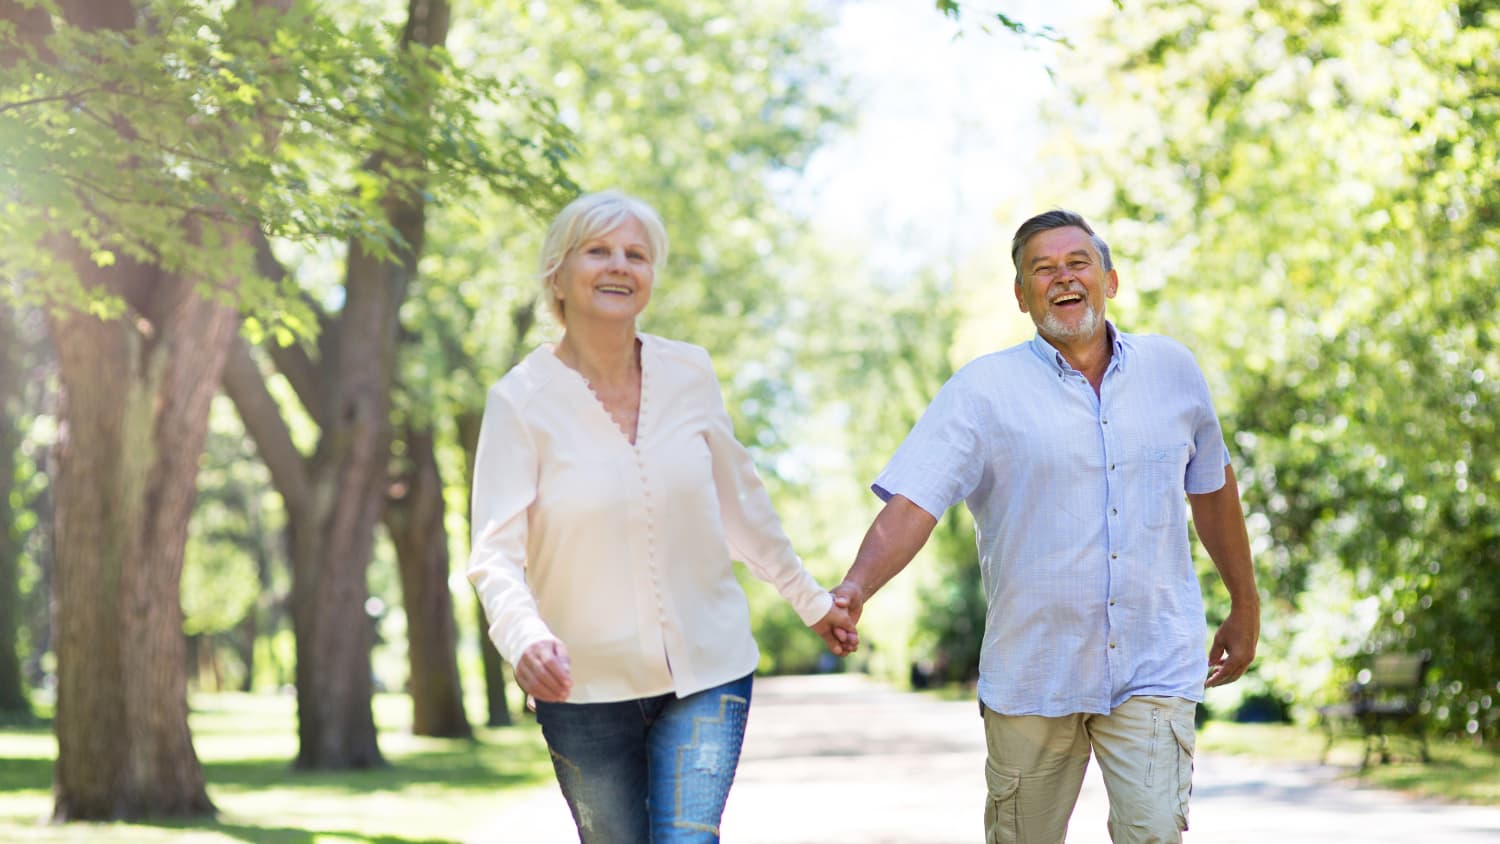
1458,771
435,790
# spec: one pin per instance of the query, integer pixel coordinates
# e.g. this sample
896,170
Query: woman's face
607,277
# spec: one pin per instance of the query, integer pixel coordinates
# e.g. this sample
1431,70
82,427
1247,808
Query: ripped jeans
653,770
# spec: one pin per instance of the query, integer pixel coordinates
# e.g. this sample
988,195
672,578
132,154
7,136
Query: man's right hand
544,672
851,597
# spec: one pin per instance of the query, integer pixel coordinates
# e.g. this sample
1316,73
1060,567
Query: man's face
1064,286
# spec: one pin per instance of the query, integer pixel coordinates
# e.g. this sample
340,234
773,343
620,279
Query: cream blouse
621,551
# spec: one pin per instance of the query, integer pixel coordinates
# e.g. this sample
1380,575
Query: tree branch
244,385
301,371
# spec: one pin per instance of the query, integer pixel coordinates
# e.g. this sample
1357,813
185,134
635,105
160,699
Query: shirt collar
1052,357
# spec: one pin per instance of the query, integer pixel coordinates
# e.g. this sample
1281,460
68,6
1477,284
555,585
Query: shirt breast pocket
1165,469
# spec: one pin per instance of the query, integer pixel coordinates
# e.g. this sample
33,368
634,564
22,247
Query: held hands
851,596
836,627
1233,647
544,672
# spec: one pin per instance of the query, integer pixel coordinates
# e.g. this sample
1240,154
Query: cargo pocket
1185,743
1002,815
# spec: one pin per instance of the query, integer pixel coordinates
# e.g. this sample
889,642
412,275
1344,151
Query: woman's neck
606,357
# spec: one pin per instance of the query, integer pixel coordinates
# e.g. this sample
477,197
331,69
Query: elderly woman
609,497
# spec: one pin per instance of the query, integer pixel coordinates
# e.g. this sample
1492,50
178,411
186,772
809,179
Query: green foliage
951,615
878,361
1309,191
143,145
232,556
26,383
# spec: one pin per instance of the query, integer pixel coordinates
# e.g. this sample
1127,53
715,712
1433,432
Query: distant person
610,494
1073,451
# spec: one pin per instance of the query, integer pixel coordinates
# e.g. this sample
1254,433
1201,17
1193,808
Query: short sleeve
1205,469
941,461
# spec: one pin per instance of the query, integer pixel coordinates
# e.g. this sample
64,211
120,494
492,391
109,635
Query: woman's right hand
544,672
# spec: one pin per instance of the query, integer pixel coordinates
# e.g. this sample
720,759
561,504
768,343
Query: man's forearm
1221,528
897,534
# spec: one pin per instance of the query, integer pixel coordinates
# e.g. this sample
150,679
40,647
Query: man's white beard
1052,327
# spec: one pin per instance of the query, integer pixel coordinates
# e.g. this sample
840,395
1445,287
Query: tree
1322,177
334,497
133,415
415,517
214,122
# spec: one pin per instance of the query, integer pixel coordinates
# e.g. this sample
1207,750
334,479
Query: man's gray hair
1057,218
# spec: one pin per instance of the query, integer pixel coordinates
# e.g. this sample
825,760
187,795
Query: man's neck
1090,356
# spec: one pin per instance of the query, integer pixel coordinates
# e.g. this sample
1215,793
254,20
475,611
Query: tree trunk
136,395
330,526
335,499
12,689
414,517
133,417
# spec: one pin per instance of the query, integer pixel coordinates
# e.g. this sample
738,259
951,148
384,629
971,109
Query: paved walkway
840,759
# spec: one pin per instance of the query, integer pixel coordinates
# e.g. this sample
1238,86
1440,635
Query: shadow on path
842,759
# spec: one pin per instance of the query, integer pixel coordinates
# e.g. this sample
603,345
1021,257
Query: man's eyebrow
1074,254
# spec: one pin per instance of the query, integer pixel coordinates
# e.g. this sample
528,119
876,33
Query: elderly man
1074,451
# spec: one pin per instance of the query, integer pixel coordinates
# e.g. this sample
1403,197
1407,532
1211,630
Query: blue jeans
653,770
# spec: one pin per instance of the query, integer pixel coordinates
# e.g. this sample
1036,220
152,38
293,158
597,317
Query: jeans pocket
1186,741
1002,815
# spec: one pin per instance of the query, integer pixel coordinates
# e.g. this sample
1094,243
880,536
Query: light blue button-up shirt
1079,506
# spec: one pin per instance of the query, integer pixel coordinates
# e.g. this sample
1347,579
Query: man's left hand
1233,648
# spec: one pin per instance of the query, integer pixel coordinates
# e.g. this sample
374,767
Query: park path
842,759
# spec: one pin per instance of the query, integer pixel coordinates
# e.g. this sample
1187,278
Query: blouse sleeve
505,482
751,527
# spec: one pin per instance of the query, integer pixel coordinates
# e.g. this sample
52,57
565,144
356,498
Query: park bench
1384,701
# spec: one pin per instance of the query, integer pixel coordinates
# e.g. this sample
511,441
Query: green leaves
239,116
1312,189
